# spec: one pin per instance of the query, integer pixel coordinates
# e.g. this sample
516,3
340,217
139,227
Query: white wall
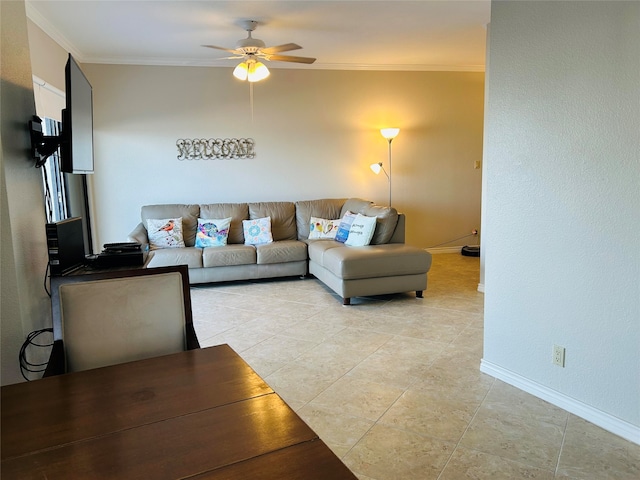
24,303
561,231
316,132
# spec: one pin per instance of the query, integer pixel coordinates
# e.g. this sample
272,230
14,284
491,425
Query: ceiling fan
252,50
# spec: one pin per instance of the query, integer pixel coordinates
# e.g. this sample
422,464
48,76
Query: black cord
459,238
27,366
46,275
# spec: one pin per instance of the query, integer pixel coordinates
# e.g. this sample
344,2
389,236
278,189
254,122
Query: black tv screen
77,122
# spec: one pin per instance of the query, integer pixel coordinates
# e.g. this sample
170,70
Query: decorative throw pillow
361,231
345,226
212,232
257,231
165,233
323,228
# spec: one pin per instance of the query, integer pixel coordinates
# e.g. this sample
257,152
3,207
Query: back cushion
327,208
354,205
237,211
386,221
189,214
283,218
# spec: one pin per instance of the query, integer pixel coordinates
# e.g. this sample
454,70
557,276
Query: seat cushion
229,255
388,260
281,252
165,257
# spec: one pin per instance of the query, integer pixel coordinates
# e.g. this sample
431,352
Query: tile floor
392,384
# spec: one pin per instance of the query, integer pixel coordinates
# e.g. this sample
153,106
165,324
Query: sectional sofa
385,265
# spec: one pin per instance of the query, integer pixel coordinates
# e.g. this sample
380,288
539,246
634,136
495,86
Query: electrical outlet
558,355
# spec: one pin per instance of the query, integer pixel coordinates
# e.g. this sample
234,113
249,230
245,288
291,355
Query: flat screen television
77,122
76,138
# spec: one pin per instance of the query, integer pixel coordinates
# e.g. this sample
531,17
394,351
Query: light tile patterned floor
392,384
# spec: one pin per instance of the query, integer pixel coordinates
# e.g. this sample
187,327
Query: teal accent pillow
212,232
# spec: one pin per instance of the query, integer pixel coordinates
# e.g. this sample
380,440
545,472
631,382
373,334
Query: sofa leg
346,301
418,293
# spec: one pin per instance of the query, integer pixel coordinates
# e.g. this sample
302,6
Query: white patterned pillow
345,226
323,228
165,233
361,231
257,231
212,232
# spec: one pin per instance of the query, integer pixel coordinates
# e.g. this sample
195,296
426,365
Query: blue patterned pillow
257,231
345,226
212,232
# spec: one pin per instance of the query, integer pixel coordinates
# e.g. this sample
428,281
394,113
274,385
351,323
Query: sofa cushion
165,257
283,218
237,211
230,255
355,205
329,208
281,252
189,214
317,249
386,222
349,263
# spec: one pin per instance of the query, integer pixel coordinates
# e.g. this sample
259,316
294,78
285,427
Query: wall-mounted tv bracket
42,146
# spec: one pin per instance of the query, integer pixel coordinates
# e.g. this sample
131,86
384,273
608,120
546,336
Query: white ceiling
351,35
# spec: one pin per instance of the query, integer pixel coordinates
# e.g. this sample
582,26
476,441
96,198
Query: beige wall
24,303
316,133
562,201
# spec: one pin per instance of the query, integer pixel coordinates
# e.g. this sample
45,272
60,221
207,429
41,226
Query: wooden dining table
200,414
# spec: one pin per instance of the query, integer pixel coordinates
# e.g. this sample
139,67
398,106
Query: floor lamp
389,134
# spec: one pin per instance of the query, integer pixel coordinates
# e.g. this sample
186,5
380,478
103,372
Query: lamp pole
389,134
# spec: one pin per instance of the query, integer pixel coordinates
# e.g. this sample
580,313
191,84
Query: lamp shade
258,71
376,167
389,133
241,71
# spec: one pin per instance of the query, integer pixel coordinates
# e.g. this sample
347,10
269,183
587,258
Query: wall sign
215,148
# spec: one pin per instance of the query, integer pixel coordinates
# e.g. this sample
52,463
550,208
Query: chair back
121,316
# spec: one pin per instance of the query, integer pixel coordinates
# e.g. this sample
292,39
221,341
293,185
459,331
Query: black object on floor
470,251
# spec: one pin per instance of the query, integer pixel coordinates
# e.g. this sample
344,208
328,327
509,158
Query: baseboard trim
610,423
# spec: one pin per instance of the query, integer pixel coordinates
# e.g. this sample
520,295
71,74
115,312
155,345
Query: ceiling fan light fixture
257,71
241,71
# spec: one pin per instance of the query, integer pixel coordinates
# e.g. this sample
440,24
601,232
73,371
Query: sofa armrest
139,234
398,234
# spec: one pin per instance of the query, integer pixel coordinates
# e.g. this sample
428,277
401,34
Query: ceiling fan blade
280,48
290,58
235,52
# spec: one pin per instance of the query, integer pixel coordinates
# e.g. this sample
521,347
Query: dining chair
118,316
